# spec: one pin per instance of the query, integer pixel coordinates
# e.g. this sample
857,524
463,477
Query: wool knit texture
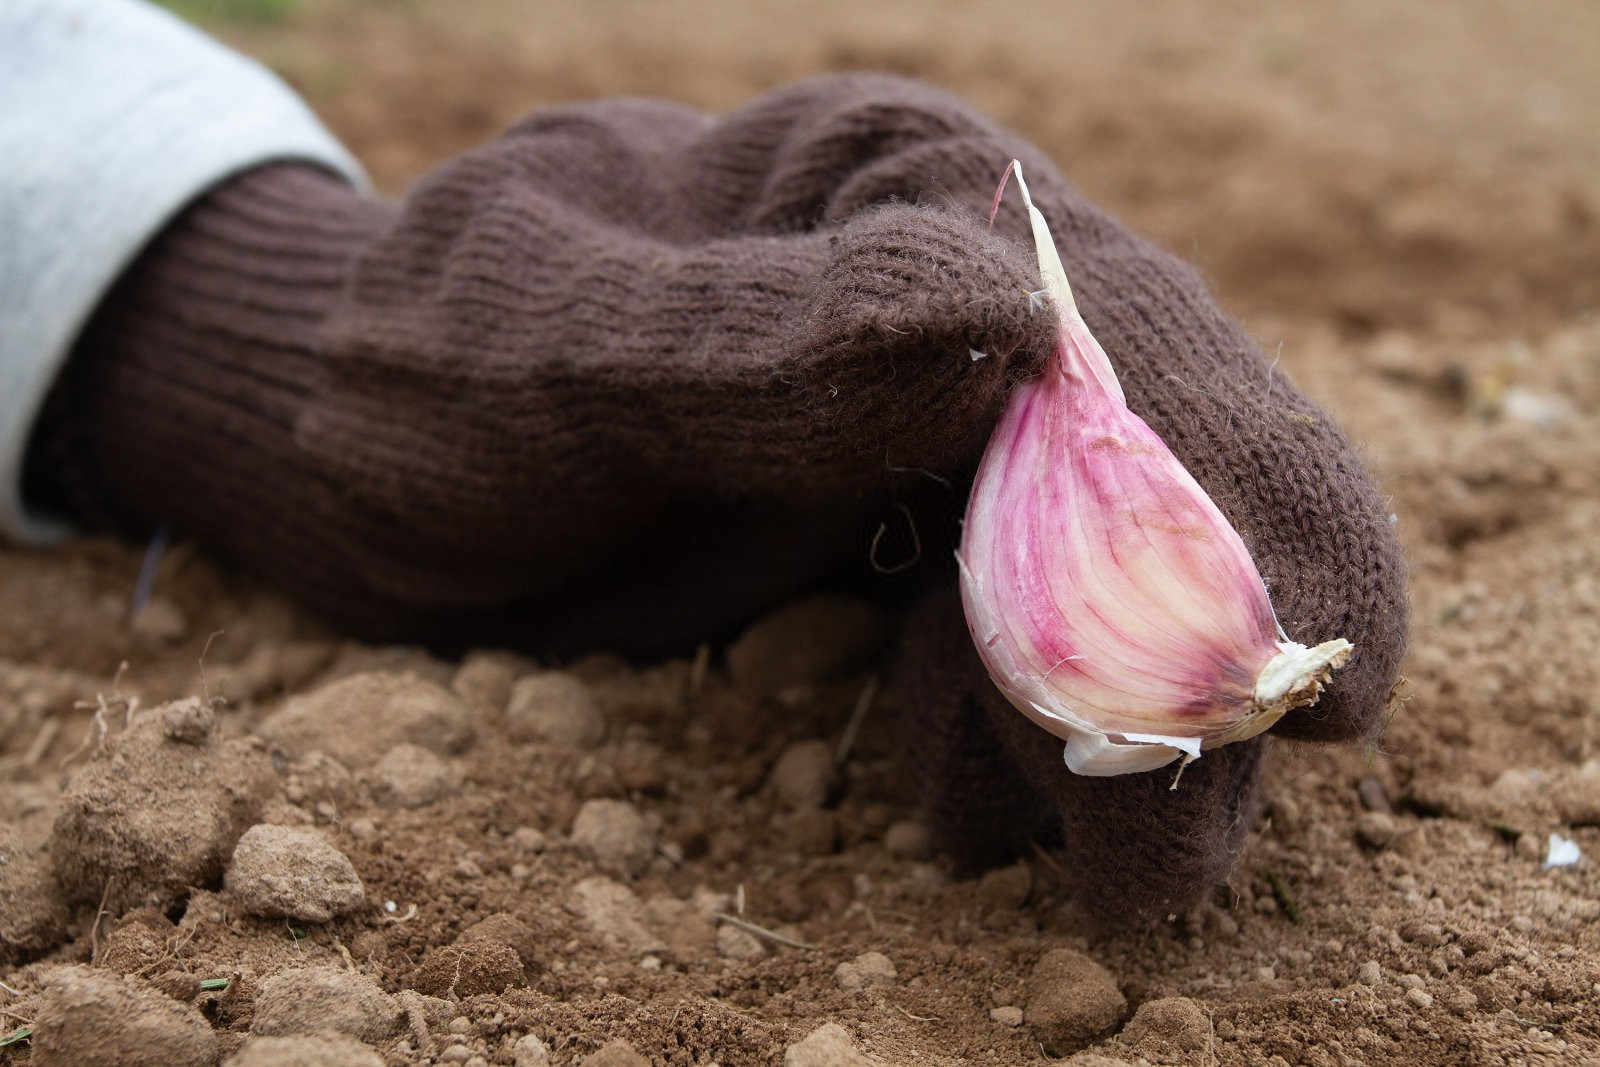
994,784
631,374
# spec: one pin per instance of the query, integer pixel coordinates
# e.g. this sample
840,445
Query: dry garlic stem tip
1044,246
1110,599
1079,354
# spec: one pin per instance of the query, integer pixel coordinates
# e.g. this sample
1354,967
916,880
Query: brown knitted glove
1277,467
630,374
625,375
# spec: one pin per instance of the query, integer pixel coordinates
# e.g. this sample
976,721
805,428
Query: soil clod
282,871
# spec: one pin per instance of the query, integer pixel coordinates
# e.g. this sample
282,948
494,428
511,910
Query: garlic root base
1295,676
1292,679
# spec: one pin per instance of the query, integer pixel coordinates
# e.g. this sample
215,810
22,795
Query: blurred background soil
1402,203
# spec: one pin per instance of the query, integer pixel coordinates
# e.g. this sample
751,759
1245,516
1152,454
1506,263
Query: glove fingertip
936,280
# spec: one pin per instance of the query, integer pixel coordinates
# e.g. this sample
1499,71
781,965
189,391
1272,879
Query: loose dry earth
324,853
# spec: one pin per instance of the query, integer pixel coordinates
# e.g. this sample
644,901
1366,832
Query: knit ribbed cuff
115,115
178,400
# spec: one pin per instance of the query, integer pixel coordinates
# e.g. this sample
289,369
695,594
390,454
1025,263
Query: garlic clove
1108,596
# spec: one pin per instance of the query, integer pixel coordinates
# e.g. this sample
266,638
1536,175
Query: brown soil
1404,208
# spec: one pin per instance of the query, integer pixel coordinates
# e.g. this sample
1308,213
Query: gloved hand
627,374
1281,471
630,374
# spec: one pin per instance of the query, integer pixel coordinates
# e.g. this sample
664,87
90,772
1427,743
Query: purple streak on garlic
1111,601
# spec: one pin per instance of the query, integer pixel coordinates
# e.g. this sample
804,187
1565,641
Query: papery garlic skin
1109,598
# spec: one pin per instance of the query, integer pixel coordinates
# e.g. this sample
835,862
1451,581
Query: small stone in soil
90,1016
1006,1015
615,836
686,925
556,708
310,1000
1369,973
292,873
179,985
410,776
801,777
318,777
738,944
870,969
309,1050
1072,1000
829,1045
528,839
1375,829
529,1051
360,717
484,681
188,721
615,915
1168,1030
1427,934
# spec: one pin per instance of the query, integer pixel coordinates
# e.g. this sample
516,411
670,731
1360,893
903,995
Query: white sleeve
113,115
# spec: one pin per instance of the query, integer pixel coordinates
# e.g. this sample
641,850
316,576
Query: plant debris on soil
228,834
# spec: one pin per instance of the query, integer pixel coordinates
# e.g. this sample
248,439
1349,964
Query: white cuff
113,116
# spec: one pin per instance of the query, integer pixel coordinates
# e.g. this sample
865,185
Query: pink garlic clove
1109,598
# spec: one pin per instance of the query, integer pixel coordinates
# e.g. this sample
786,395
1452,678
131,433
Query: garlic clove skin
1094,754
1109,598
